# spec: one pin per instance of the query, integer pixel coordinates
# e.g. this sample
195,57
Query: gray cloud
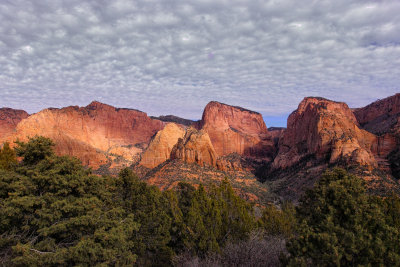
170,56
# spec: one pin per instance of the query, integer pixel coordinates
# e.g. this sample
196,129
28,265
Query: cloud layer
169,56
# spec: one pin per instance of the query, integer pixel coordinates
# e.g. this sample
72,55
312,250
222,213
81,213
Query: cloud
172,56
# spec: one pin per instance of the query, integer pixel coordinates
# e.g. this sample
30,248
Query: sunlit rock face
9,118
327,130
195,147
94,133
236,130
160,147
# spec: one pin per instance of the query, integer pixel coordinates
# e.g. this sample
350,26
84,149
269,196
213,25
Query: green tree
341,225
8,157
279,222
53,212
37,149
211,218
237,218
150,209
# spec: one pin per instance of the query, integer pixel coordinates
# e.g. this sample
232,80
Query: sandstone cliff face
9,118
93,132
160,147
383,119
236,130
380,117
195,147
329,131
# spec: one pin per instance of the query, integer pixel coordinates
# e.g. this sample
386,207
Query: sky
173,57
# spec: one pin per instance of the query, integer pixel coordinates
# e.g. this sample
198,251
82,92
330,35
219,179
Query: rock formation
160,147
175,119
93,132
228,141
9,118
326,130
195,147
380,117
236,130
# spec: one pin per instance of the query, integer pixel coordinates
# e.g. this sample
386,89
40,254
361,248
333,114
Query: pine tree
8,157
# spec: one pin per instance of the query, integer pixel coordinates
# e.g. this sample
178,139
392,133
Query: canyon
228,142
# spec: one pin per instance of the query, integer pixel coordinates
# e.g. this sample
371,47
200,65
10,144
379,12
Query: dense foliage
8,158
54,212
341,225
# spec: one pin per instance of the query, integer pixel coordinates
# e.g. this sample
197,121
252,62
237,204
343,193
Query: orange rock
195,147
236,130
9,118
160,147
326,129
92,132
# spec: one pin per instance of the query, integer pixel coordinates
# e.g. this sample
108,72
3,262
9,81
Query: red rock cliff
236,130
381,116
326,129
93,132
195,147
9,118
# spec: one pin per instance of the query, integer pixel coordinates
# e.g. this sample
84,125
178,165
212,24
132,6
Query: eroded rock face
327,130
380,117
160,147
9,118
195,147
236,130
93,132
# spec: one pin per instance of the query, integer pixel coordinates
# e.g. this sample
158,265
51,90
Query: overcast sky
173,57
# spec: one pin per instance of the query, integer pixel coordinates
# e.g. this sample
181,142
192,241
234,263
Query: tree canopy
341,225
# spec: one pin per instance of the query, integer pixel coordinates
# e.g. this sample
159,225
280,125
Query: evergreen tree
8,157
279,222
37,149
149,207
53,213
341,225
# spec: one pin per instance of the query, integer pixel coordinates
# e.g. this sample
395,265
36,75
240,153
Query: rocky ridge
228,141
98,134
